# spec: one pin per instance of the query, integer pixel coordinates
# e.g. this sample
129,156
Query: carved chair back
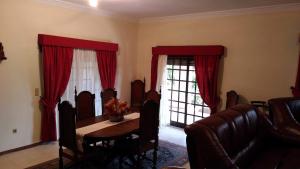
137,94
232,98
149,122
85,105
153,95
67,129
106,95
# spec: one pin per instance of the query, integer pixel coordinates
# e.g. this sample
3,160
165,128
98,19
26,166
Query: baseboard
20,148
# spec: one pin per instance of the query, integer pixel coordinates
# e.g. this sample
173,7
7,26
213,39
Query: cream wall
262,49
260,61
20,23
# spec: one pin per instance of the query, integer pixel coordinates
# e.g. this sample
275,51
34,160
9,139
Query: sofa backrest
227,139
294,106
285,110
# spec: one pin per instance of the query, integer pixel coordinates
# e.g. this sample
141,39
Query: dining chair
137,95
147,136
85,105
67,134
153,95
232,98
106,95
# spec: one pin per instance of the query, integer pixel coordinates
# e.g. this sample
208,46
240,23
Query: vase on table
116,117
116,110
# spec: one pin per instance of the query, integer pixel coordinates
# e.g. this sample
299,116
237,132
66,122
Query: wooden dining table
114,130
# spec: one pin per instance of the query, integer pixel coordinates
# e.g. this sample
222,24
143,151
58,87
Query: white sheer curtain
85,76
161,85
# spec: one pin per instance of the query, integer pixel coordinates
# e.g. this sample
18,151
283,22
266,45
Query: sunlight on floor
172,134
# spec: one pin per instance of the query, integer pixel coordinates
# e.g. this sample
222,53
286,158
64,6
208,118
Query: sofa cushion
278,157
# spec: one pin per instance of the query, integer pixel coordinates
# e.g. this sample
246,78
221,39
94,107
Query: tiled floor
172,134
29,157
45,152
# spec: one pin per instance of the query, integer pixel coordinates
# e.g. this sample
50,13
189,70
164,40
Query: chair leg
61,163
138,161
120,162
154,158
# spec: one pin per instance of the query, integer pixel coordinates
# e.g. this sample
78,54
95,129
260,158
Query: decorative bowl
116,117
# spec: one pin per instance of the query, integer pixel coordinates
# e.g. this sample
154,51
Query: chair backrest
106,95
153,95
67,129
149,121
232,99
137,94
85,105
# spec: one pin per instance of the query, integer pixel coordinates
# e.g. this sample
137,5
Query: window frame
189,60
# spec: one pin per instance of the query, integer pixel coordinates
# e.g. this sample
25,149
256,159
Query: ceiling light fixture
93,3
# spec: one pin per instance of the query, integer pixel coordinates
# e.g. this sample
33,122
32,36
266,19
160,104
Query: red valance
208,50
50,40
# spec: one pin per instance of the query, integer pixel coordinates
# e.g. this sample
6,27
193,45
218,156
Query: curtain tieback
47,103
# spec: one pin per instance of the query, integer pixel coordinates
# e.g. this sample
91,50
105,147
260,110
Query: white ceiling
139,9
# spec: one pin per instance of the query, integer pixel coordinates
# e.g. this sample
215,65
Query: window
85,77
186,104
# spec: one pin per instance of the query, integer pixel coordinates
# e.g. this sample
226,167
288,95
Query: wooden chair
232,98
67,134
106,95
153,95
85,105
137,94
147,136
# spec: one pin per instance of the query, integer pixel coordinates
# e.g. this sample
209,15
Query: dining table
100,128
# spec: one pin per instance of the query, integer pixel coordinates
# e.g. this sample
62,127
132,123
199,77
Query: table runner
80,132
103,124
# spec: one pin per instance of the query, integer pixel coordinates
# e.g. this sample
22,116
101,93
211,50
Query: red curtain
296,89
57,63
207,68
207,60
154,63
107,63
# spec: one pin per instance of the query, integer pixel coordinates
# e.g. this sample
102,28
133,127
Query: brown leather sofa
285,115
240,138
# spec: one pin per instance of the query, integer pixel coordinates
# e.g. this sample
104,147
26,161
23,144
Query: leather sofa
285,115
240,138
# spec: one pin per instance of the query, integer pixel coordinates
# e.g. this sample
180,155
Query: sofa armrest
289,134
205,150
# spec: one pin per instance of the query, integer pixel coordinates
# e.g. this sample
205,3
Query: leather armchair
285,115
240,138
